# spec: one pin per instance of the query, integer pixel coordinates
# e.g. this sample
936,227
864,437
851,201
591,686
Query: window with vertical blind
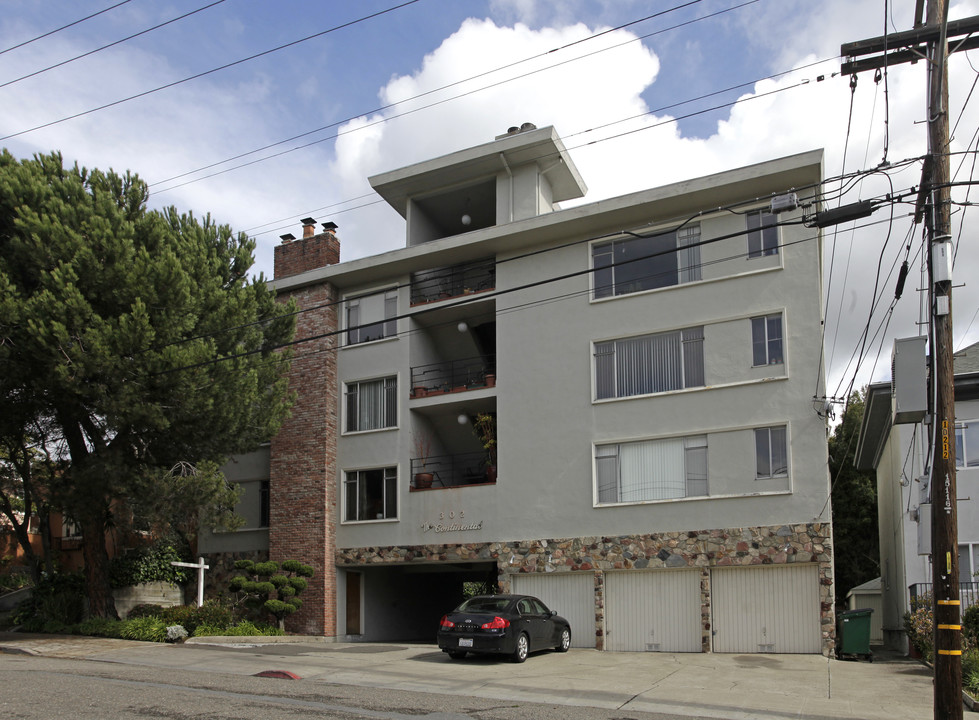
771,452
967,444
651,470
649,363
634,264
371,317
371,404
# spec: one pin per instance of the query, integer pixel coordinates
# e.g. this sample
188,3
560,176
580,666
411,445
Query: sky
261,113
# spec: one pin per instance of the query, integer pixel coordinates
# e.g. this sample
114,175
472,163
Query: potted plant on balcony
423,448
484,427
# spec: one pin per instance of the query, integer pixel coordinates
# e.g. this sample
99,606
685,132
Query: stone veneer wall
705,549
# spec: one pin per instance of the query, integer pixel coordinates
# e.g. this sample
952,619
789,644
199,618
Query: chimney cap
527,126
329,226
288,237
308,221
512,130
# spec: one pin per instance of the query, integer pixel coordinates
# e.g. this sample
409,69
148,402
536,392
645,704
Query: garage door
655,611
771,609
571,594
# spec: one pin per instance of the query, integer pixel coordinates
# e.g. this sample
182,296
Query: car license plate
465,642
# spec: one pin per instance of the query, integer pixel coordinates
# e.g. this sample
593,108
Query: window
771,453
634,264
264,506
968,563
762,234
967,444
766,340
70,530
372,404
650,363
371,317
371,495
652,470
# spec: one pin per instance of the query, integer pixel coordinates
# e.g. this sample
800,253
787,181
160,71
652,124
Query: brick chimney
313,251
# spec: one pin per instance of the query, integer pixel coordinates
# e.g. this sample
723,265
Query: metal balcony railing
452,376
968,593
455,281
452,471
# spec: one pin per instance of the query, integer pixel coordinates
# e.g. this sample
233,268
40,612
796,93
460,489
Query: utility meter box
909,380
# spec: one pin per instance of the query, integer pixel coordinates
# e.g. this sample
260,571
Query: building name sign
452,521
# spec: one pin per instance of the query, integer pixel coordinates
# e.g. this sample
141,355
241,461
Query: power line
211,71
63,27
112,44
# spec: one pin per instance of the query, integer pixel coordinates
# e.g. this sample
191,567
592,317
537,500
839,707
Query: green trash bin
853,633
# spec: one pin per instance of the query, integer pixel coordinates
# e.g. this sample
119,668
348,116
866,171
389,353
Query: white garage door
771,609
572,595
653,611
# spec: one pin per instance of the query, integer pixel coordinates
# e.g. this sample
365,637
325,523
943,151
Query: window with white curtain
649,363
371,317
766,340
372,404
762,234
771,452
651,470
634,264
371,495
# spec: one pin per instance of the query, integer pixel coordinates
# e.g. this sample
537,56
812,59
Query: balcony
452,471
453,282
453,376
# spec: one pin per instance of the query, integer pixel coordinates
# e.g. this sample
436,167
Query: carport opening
404,603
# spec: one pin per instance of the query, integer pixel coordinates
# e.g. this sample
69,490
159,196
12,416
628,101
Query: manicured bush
144,610
264,586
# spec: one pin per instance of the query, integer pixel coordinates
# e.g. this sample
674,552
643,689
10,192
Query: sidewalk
806,687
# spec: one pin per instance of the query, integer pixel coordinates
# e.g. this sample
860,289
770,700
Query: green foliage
100,627
856,543
244,628
919,625
150,563
55,603
14,581
266,586
114,320
970,626
148,629
144,610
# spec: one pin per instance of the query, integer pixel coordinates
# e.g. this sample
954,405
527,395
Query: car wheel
565,640
521,649
457,654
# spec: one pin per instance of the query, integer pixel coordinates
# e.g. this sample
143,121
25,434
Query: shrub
970,626
970,671
100,627
145,610
148,629
264,586
57,602
14,581
150,563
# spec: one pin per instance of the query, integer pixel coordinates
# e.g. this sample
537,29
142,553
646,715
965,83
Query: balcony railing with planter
968,593
445,471
452,376
455,281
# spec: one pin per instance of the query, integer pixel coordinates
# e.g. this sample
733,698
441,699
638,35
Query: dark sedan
513,625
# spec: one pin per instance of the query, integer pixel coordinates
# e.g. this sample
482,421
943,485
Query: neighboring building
898,451
652,462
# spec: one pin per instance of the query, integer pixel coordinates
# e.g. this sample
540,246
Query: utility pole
944,518
930,42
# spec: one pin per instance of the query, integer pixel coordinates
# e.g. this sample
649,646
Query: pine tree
133,341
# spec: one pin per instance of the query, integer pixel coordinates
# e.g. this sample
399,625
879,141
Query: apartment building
609,406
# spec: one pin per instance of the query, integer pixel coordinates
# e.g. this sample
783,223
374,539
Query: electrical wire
211,71
63,27
112,44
